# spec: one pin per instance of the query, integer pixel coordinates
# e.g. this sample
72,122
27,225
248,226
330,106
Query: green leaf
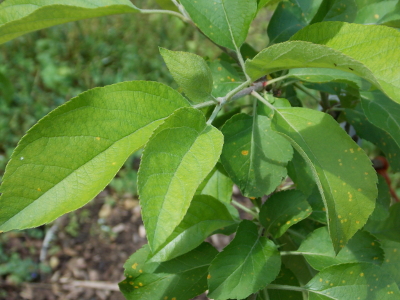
225,78
389,228
319,75
336,10
391,265
392,18
289,17
345,177
282,210
218,185
318,249
362,281
384,114
18,17
301,174
136,262
376,13
224,22
205,215
262,3
74,152
245,266
191,72
169,175
167,4
366,130
347,47
181,278
254,156
295,263
381,211
285,277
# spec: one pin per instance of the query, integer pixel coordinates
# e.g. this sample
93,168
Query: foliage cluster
328,233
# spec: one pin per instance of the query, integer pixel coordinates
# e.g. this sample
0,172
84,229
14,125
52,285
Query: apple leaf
282,210
191,72
345,177
226,22
169,175
245,266
71,154
18,17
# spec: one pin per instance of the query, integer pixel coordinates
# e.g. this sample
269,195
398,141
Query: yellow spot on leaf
219,68
233,79
376,16
320,280
351,150
97,138
288,222
134,266
131,283
245,152
140,271
357,222
362,274
208,276
39,189
141,284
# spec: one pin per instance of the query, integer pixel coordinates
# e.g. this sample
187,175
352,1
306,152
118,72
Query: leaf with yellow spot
20,17
246,265
183,278
180,154
379,13
362,281
254,156
62,156
318,250
282,210
135,263
321,145
336,10
225,78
